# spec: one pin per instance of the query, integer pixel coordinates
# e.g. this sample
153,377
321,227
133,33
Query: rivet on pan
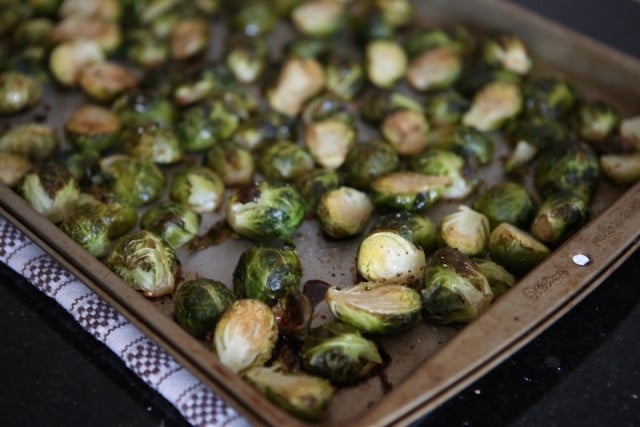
581,259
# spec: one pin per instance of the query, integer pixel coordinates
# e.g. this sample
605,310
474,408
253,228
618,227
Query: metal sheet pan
430,363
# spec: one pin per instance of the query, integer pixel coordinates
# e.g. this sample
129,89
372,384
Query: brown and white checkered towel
196,402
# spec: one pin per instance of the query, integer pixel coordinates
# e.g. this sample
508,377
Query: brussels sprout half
35,141
515,249
92,127
17,92
88,230
386,62
135,180
367,161
438,68
408,191
344,212
498,277
284,161
506,202
496,103
174,222
621,168
199,303
198,187
419,229
559,216
465,230
438,162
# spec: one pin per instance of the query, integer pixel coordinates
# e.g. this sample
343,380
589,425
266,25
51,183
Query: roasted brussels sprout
506,51
69,59
548,97
437,162
18,92
300,394
137,181
569,167
12,168
138,108
344,212
465,230
198,187
119,216
267,273
338,352
386,256
255,18
318,18
386,62
498,277
407,191
299,80
529,136
144,49
88,230
424,40
105,33
437,68
377,308
621,168
266,127
455,290
559,216
262,211
108,9
419,229
199,303
369,160
446,108
188,38
493,105
104,81
597,120
630,132
233,163
91,127
344,76
406,131
32,140
284,161
506,202
145,262
245,335
314,184
515,249
329,141
376,104
247,59
51,190
294,314
151,141
467,142
174,222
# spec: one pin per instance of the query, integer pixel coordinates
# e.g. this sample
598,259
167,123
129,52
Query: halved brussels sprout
559,216
506,51
376,104
423,40
174,222
105,33
89,230
597,120
108,9
369,160
137,181
267,273
51,190
18,92
621,168
455,290
408,191
233,163
406,131
498,277
294,314
299,80
437,68
548,97
630,132
245,335
284,161
189,38
419,229
446,108
144,49
386,256
314,184
318,18
199,303
119,216
437,162
506,202
12,168
337,351
138,108
328,106
344,212
154,142
386,62
262,211
329,141
145,262
344,76
529,136
247,58
493,105
376,308
467,142
103,81
465,230
515,249
34,141
92,127
304,395
266,127
198,187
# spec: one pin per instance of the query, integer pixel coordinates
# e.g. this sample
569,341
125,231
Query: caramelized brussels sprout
437,68
419,229
135,180
106,34
597,120
386,256
199,303
621,168
262,211
506,51
198,187
329,141
104,81
119,216
437,162
314,184
91,127
174,222
386,62
88,230
506,202
340,353
69,59
493,105
299,80
245,335
18,92
377,308
188,38
407,191
455,290
32,140
284,161
12,168
559,216
467,142
267,273
344,212
145,262
406,131
515,249
630,132
465,230
369,160
233,163
156,143
318,18
498,277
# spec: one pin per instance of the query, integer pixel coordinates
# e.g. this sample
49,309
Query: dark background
584,370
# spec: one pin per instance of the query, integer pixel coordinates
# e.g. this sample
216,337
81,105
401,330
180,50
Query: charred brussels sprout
304,395
145,262
197,187
119,216
344,212
314,184
103,81
386,256
437,68
467,142
52,191
375,307
597,120
506,51
465,230
436,162
558,217
262,211
369,160
548,97
386,62
135,180
570,167
338,352
419,229
17,92
299,80
493,105
515,249
621,168
498,277
88,230
245,335
506,202
446,108
233,163
284,161
199,303
35,141
174,222
267,273
294,314
92,127
455,290
407,191
406,131
156,143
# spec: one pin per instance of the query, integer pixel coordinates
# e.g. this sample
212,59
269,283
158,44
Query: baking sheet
450,363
